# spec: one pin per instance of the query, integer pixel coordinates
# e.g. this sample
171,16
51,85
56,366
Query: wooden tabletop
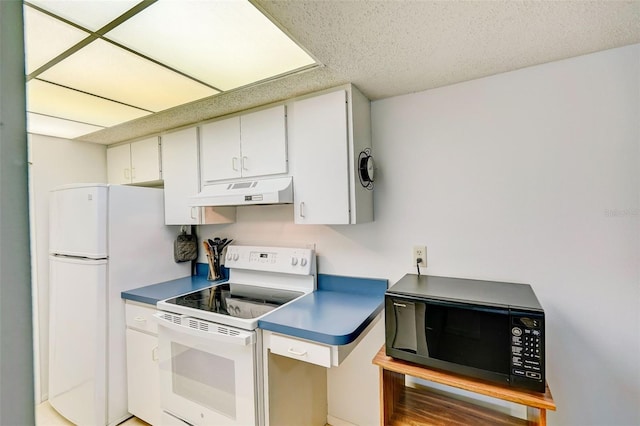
524,397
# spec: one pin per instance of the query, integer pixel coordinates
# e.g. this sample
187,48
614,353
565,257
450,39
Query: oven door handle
204,330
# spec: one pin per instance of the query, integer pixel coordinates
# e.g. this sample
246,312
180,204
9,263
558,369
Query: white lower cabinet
143,375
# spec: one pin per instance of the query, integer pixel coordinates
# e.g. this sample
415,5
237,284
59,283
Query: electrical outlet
420,252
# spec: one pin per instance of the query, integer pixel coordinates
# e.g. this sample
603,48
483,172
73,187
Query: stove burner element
237,300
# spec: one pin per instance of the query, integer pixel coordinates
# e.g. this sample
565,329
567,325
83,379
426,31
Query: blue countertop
335,314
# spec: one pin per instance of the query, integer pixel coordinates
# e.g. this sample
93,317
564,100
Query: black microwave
483,329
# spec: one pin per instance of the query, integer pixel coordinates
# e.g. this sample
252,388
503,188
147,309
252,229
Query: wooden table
402,405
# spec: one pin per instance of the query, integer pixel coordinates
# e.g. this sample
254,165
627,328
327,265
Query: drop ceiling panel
107,70
46,37
52,126
92,15
226,44
49,99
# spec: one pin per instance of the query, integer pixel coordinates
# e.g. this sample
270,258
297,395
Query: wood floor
47,416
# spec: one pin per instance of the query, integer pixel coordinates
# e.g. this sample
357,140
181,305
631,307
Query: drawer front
140,317
302,350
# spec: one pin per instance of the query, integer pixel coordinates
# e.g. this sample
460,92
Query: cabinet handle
234,163
296,353
244,162
194,214
302,209
154,354
127,174
140,319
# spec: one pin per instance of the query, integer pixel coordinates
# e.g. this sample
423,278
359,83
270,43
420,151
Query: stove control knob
229,256
236,256
294,261
303,262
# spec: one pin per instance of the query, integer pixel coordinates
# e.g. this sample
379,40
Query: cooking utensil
213,260
214,246
226,243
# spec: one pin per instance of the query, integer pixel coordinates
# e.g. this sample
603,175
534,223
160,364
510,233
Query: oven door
207,371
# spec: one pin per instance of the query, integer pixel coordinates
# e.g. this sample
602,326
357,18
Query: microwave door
405,315
470,336
409,329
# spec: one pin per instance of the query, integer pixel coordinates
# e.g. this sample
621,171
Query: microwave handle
242,338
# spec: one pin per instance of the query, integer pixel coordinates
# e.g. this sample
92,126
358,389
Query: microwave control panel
527,347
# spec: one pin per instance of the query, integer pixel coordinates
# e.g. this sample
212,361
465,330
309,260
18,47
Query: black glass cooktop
238,300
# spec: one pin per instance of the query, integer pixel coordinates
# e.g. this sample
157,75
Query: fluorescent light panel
47,37
55,101
91,14
114,73
52,126
212,44
226,44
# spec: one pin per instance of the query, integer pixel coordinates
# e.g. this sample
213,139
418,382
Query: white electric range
210,349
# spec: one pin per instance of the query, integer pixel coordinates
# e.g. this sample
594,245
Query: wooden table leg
537,416
391,385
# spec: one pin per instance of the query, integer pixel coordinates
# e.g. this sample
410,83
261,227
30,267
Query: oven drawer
302,350
140,317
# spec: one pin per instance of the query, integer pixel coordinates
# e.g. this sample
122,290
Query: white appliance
211,370
248,192
104,239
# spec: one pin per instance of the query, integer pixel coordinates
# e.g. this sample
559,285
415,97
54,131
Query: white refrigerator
103,239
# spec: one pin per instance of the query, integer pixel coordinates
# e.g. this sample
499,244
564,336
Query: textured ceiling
389,48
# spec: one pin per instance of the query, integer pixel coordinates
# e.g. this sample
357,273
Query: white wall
54,162
529,176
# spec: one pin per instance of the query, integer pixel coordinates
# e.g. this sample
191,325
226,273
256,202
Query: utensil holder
214,267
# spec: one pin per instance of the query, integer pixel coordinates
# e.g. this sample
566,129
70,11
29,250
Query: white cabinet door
143,376
246,146
134,162
318,153
220,150
145,160
119,164
263,142
180,173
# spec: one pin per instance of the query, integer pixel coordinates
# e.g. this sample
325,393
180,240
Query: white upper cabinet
181,182
119,164
327,133
135,162
264,142
245,146
145,160
180,172
221,149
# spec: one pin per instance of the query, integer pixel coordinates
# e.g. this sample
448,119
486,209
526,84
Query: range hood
246,192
